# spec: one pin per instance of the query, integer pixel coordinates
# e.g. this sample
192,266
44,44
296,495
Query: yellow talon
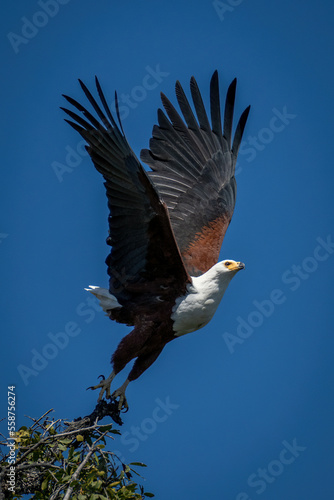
104,385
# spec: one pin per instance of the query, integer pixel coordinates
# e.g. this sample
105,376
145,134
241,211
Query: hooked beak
237,266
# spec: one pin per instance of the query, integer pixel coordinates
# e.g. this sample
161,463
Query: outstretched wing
144,263
193,170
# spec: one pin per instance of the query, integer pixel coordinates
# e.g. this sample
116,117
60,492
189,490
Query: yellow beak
237,266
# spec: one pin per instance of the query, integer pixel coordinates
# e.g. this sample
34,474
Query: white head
232,265
225,270
218,276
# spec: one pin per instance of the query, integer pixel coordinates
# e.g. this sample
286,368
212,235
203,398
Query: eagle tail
107,301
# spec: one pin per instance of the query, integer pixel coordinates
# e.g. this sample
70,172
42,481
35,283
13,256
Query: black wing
144,264
193,169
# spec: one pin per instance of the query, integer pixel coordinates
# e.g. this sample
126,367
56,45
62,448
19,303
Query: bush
55,459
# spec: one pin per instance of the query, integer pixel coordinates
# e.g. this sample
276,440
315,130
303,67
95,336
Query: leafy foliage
61,460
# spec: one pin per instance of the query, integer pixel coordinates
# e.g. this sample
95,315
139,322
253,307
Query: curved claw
122,403
93,387
104,385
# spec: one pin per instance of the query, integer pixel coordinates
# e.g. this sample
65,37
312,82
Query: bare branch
92,449
40,418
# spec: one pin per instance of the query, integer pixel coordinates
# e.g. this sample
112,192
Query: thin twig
37,464
55,494
92,449
53,438
51,425
40,418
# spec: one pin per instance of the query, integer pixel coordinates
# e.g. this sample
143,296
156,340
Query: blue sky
242,409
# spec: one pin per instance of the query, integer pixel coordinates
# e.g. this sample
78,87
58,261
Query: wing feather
193,166
215,105
144,252
239,131
229,109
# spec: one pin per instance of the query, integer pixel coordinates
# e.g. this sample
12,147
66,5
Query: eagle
166,223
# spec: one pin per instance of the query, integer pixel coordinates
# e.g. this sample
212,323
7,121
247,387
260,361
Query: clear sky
242,409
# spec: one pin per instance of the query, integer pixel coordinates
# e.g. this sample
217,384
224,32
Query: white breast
195,309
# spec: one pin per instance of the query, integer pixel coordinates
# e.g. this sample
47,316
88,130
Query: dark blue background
212,412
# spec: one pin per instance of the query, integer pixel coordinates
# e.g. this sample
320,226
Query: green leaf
138,464
74,483
147,494
66,478
65,441
98,484
75,458
116,431
45,484
105,428
114,484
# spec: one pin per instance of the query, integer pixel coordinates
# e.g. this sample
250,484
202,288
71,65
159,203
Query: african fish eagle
166,225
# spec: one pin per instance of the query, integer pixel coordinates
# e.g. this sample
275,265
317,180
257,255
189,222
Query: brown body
145,342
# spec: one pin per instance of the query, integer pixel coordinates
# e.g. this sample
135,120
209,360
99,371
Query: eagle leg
120,392
104,385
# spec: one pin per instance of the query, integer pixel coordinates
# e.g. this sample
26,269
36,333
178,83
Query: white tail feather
107,301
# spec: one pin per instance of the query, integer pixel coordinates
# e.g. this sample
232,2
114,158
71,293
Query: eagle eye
228,263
